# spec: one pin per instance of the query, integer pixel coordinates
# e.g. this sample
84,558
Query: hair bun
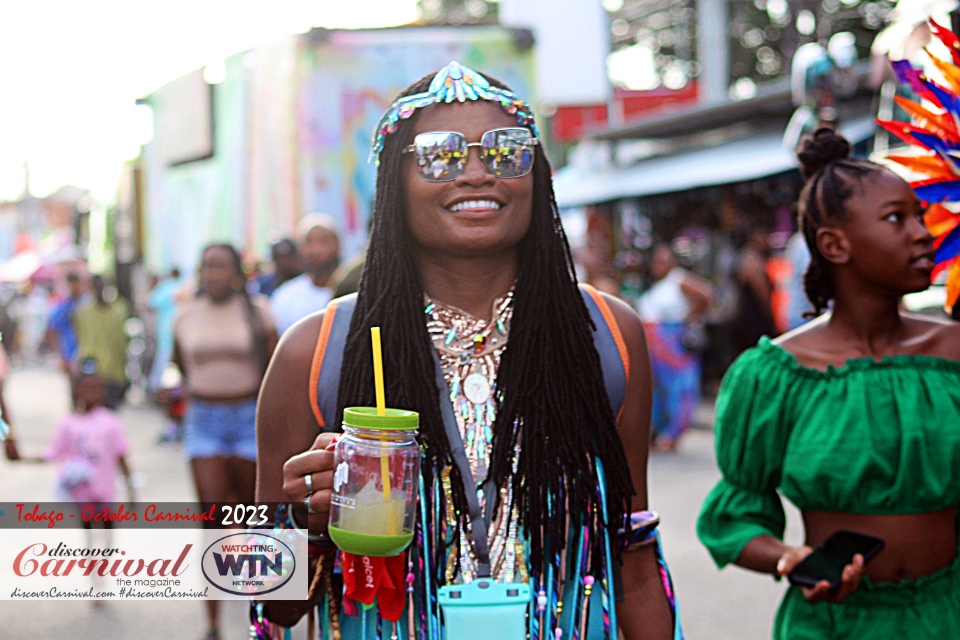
820,149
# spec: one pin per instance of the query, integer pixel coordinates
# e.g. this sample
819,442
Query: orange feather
928,119
932,166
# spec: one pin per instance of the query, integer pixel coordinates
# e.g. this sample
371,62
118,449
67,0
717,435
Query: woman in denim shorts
223,339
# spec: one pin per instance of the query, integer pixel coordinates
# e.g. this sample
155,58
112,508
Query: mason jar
375,481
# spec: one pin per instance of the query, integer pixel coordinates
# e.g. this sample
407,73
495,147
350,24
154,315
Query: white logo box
146,564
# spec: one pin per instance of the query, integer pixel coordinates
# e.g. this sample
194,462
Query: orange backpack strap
328,359
317,364
610,345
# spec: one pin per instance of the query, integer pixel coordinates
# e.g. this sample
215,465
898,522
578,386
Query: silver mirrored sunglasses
442,155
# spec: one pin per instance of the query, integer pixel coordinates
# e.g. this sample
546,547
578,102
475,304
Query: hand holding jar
308,480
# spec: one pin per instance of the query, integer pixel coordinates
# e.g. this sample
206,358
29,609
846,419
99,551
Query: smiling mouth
474,205
923,262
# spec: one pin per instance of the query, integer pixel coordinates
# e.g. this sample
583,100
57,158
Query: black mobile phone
832,555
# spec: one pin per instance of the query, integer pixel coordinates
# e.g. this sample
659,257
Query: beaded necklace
469,349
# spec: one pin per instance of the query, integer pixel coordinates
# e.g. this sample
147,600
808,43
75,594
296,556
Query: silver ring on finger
308,480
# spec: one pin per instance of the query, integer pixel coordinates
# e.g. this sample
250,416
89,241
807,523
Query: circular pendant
476,388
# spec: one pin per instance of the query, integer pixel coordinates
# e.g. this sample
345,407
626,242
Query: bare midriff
227,399
916,545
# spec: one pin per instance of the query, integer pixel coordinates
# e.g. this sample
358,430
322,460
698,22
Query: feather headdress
935,128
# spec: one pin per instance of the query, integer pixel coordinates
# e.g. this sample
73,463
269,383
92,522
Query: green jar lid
394,419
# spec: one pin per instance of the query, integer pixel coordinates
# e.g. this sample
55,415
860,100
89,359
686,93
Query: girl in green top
854,418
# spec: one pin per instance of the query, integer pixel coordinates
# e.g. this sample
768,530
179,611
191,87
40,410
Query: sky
70,73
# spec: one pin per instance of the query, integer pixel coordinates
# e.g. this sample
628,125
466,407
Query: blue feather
933,142
950,247
939,191
947,100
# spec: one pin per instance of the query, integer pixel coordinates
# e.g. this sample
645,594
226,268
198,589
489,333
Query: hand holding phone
832,571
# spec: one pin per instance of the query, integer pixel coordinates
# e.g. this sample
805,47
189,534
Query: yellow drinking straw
381,404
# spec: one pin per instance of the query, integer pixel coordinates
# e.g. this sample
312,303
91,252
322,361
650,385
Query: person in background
346,279
311,291
164,305
754,315
9,321
35,312
854,418
287,265
799,309
61,321
9,439
223,340
163,302
89,445
101,337
672,311
722,263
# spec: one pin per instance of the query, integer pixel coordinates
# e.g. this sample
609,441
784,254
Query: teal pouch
484,609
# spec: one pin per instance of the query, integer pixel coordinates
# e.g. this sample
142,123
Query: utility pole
713,51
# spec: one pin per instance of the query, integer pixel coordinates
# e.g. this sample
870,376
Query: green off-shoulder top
871,437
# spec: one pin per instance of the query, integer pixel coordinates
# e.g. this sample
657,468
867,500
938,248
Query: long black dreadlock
828,169
549,381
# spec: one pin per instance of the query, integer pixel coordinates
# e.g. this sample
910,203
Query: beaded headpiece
937,131
453,82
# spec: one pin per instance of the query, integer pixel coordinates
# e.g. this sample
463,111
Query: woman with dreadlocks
470,277
223,340
854,417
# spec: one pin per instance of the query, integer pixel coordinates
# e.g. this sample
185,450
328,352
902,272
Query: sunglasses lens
508,153
440,155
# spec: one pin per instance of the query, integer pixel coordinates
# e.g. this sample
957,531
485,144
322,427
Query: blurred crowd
696,322
699,313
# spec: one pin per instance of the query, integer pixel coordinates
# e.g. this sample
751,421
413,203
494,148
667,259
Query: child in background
89,445
6,430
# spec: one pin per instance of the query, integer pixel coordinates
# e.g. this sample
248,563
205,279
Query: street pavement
727,605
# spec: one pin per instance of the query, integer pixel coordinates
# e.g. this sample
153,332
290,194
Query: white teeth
474,204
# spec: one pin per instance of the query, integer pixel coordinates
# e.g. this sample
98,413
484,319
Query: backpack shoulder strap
328,355
328,361
610,345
